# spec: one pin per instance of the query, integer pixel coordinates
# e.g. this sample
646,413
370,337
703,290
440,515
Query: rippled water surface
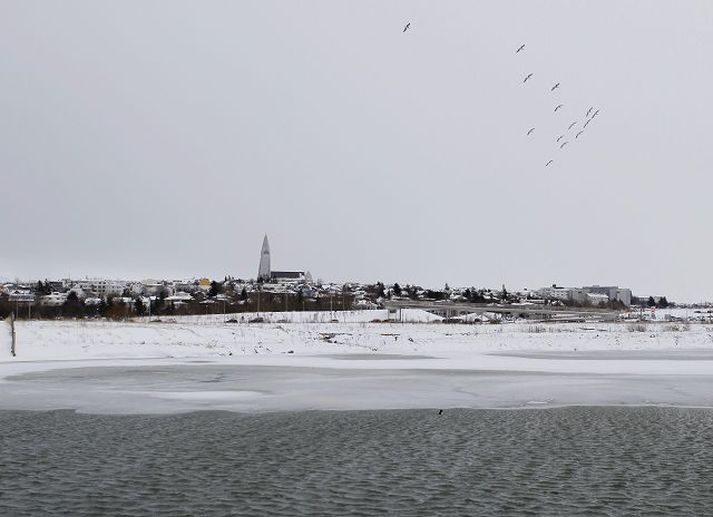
570,461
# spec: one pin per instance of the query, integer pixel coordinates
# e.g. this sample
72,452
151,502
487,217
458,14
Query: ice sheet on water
171,388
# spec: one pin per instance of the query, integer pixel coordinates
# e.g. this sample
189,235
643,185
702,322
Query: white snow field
196,363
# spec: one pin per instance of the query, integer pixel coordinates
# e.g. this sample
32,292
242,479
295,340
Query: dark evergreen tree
215,288
73,307
139,307
380,290
651,302
397,289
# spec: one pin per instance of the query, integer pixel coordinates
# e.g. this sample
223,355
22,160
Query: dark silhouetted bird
440,411
549,163
562,146
572,125
530,131
558,107
555,87
520,48
527,77
408,26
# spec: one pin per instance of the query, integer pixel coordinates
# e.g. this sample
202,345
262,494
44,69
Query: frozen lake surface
166,387
568,461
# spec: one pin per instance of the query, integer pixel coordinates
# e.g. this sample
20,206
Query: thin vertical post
14,334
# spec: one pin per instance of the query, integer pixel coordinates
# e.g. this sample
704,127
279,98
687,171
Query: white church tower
263,272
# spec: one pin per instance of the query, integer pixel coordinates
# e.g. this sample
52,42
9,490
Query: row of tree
116,308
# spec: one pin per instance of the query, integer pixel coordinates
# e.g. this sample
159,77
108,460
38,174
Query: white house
54,299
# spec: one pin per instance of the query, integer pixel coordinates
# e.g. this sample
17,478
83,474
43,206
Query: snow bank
78,340
363,316
281,317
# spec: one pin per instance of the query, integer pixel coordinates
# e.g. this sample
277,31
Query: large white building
593,294
98,286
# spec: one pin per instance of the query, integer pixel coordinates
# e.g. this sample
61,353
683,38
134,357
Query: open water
567,461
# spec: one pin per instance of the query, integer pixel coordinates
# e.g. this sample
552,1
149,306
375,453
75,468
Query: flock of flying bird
566,135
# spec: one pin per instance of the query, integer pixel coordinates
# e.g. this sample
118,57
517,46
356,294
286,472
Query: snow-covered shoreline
90,339
553,364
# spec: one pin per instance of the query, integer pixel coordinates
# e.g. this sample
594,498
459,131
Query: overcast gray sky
164,138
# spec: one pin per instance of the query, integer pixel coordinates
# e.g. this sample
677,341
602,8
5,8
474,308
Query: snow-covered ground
202,363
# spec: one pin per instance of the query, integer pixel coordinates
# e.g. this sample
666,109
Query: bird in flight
530,131
577,135
572,125
559,138
555,87
558,107
549,163
408,26
520,48
589,111
565,143
527,77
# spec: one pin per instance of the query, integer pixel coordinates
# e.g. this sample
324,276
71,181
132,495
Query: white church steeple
263,272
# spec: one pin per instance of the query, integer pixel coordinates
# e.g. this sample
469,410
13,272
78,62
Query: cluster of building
292,282
593,295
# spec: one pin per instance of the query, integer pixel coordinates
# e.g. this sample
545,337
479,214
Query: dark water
571,461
